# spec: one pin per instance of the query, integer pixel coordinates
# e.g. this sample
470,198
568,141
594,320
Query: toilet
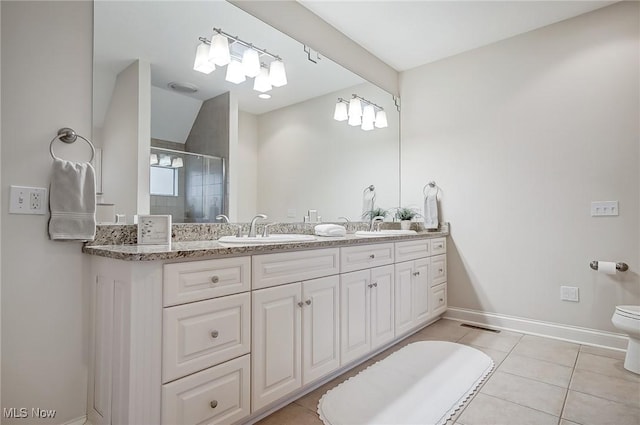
627,319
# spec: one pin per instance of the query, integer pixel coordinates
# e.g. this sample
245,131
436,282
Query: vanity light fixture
165,161
153,159
217,51
177,163
368,117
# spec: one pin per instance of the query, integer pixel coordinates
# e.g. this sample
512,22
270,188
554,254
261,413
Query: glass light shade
354,120
277,74
368,115
366,125
177,163
262,83
381,119
219,50
251,63
153,159
340,114
355,108
165,160
202,63
235,73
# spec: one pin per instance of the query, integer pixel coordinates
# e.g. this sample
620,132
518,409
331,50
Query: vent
183,87
480,328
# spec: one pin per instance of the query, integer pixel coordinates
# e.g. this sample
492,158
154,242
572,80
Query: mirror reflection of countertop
213,248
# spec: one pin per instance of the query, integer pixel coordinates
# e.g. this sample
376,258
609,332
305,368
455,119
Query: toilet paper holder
621,267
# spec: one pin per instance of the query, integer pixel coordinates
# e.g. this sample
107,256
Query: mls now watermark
24,413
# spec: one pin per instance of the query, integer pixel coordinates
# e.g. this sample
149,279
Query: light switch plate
28,200
604,208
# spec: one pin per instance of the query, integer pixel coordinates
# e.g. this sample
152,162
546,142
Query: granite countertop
213,248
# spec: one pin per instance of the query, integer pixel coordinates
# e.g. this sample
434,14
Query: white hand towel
72,201
431,211
329,230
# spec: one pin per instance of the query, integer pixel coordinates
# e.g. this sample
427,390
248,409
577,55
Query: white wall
126,141
44,298
247,164
172,115
522,135
307,160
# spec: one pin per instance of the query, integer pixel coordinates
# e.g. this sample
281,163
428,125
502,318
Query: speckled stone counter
191,249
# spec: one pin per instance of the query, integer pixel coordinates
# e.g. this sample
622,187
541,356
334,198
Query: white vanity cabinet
295,338
366,307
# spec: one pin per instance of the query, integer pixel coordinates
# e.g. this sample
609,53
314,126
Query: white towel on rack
431,211
72,201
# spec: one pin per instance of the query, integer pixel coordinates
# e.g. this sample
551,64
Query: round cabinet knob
372,256
416,273
375,285
439,270
300,304
370,285
214,404
214,334
308,302
215,279
441,299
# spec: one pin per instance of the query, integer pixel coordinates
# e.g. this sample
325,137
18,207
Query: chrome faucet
252,229
225,219
374,220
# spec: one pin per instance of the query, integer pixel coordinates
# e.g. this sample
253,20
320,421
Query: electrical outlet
604,208
28,200
569,293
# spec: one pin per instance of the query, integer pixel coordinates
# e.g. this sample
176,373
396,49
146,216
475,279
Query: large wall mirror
194,145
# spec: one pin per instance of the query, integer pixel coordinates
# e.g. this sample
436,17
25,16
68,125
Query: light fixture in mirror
219,51
281,157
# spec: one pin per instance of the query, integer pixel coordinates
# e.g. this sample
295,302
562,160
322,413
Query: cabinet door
276,344
355,334
420,291
403,302
382,320
320,327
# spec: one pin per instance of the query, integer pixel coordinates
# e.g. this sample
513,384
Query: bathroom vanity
205,333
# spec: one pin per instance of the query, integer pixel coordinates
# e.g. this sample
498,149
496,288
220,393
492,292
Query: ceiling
407,34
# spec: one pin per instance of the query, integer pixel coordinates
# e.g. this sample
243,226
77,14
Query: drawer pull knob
214,404
441,299
215,279
300,304
370,285
214,334
375,285
416,273
372,256
308,302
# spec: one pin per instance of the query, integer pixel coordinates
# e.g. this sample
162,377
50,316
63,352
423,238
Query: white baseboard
78,421
568,333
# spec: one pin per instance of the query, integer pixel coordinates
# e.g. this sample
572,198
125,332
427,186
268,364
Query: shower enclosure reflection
188,186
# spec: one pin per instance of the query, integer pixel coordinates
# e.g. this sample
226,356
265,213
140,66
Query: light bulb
165,161
368,115
262,83
219,50
251,63
355,108
202,63
177,163
381,119
340,113
354,120
277,74
153,159
235,73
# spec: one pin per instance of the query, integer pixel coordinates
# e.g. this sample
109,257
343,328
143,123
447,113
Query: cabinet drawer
202,334
438,246
219,395
364,257
276,269
438,269
439,299
201,280
412,250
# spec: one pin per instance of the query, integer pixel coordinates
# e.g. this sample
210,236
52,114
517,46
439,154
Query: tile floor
536,381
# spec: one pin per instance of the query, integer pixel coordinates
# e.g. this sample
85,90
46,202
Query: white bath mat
422,383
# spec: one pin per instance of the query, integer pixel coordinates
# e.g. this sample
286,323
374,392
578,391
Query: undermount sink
380,233
276,238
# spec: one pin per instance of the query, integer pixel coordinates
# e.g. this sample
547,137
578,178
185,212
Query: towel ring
430,185
67,135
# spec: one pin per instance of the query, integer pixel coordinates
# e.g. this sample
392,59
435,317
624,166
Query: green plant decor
405,213
375,213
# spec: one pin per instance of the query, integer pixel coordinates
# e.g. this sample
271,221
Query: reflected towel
72,201
330,230
431,211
